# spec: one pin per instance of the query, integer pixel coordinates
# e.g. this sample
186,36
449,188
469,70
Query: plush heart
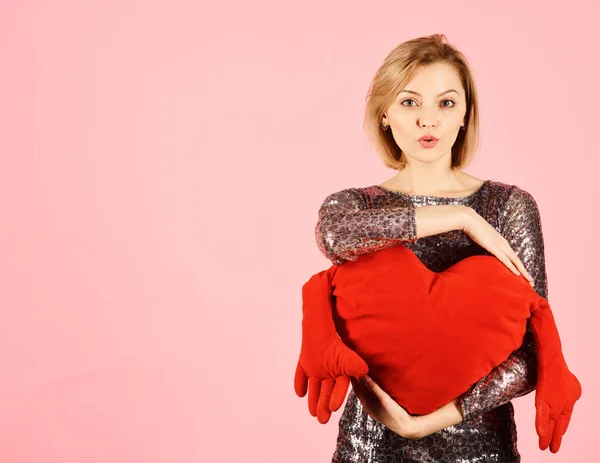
427,336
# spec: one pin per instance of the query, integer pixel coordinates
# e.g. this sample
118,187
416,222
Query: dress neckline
406,195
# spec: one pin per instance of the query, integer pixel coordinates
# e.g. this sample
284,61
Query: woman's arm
516,376
442,418
347,227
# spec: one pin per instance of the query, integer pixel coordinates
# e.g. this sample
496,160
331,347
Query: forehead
433,79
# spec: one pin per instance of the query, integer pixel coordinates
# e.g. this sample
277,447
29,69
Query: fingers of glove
323,415
314,391
547,438
300,381
323,411
565,422
542,413
562,423
339,392
556,441
542,425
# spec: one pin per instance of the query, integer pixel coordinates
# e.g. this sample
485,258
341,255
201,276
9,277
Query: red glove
325,363
557,388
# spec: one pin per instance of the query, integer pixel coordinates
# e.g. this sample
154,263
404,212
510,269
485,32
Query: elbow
328,242
329,250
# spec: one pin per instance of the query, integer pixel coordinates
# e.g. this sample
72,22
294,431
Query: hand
484,234
383,408
557,388
555,398
325,362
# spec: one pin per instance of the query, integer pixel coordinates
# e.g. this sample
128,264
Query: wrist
465,216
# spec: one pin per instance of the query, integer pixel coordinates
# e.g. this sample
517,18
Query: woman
425,88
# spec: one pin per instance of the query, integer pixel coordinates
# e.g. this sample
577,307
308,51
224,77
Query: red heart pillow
428,336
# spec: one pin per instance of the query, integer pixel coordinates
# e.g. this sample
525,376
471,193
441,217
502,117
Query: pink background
162,167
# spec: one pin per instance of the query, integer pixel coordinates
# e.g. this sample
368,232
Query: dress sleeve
520,224
347,227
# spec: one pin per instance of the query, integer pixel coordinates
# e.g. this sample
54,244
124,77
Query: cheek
456,118
402,122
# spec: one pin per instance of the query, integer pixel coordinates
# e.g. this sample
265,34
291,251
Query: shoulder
517,210
511,196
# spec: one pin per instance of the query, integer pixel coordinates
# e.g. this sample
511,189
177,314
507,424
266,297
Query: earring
463,127
385,127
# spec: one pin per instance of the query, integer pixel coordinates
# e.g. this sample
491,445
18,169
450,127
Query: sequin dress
356,221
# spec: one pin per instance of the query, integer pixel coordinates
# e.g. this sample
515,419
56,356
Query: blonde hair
395,72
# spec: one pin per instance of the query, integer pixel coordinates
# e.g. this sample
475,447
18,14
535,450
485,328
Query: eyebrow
416,93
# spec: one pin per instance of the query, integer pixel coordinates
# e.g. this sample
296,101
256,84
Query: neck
429,180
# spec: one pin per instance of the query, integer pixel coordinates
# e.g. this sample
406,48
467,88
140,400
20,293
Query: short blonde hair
395,72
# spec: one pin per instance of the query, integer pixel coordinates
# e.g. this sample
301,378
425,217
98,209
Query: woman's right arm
347,228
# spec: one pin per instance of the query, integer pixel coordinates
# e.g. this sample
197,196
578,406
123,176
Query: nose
428,119
427,122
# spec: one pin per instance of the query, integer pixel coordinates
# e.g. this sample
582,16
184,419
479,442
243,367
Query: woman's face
428,105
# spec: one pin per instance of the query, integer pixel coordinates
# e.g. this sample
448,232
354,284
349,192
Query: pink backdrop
162,167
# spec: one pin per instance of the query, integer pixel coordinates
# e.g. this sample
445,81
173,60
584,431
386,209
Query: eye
451,101
409,99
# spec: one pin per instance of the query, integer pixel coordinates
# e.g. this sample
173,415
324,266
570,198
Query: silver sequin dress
356,221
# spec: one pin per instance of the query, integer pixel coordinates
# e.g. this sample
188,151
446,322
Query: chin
426,155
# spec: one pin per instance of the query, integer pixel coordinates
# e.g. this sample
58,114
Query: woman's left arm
521,225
